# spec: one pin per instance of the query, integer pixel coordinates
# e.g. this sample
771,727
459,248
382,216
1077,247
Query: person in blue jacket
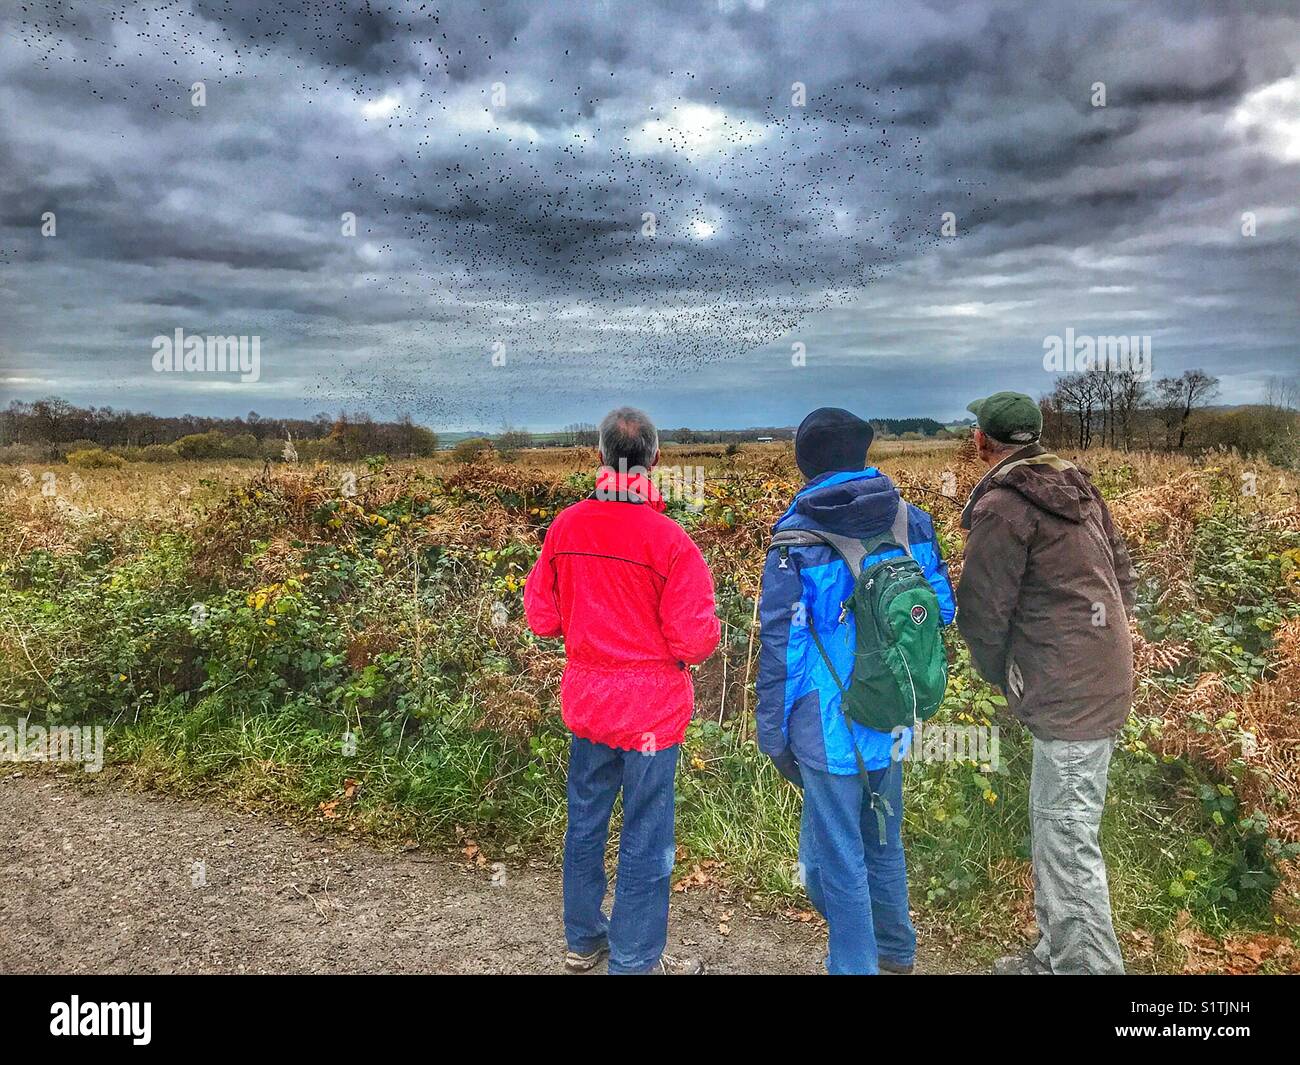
854,872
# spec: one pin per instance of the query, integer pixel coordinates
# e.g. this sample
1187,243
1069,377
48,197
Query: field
346,645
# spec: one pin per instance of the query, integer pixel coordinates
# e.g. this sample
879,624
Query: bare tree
1282,393
1076,394
1178,397
1102,381
1130,395
582,434
510,439
1054,418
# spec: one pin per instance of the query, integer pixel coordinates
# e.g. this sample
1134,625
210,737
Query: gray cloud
519,224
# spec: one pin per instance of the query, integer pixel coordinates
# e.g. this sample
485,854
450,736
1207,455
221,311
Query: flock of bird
564,225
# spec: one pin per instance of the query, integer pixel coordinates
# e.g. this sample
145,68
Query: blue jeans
859,886
637,929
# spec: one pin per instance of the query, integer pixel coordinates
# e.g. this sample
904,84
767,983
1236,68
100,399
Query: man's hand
787,766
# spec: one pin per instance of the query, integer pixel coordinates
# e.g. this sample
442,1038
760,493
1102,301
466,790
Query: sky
727,213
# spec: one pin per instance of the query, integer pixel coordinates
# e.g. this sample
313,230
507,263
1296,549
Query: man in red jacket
633,598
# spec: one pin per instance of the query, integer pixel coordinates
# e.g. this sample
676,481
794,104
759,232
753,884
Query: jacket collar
986,482
624,486
1029,455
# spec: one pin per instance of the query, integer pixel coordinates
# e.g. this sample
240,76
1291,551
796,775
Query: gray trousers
1067,790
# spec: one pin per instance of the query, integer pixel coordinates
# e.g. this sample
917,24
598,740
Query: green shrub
158,453
243,446
472,449
312,450
95,458
200,445
1256,432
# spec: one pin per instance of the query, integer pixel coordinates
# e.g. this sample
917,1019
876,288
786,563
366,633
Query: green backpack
900,666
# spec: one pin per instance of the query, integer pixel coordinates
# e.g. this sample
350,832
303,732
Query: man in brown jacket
1046,590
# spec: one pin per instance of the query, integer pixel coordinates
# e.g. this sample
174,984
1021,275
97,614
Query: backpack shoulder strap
795,538
897,534
786,539
852,551
900,526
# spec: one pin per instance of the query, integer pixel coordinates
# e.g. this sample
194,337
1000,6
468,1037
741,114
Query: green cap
1008,417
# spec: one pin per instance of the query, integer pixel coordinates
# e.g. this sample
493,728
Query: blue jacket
798,701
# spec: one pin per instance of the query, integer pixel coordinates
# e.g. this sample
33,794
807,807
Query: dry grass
1157,501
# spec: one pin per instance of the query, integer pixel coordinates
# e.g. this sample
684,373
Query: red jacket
633,598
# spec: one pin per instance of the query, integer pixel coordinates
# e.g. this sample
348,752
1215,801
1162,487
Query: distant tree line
581,434
686,435
56,421
52,427
1124,409
905,426
894,427
1121,409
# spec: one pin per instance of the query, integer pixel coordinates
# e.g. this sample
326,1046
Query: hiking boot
670,966
584,963
1020,965
894,968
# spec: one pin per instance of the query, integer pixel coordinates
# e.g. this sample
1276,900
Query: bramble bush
292,636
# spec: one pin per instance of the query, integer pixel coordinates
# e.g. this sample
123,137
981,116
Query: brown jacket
1046,590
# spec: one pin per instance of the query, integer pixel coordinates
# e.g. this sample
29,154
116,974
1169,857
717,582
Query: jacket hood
1047,481
860,505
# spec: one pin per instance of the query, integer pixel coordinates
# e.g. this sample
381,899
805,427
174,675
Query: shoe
1020,965
893,968
670,966
584,963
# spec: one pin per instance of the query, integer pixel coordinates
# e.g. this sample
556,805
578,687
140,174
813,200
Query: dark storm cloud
516,226
1226,88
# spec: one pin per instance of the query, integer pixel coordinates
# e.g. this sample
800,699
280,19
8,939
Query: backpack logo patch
919,614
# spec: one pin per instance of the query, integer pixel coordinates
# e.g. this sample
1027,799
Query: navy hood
862,507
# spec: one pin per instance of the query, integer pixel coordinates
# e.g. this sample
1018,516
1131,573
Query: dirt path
102,881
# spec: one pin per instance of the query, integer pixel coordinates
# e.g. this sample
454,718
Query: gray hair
1002,447
628,435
